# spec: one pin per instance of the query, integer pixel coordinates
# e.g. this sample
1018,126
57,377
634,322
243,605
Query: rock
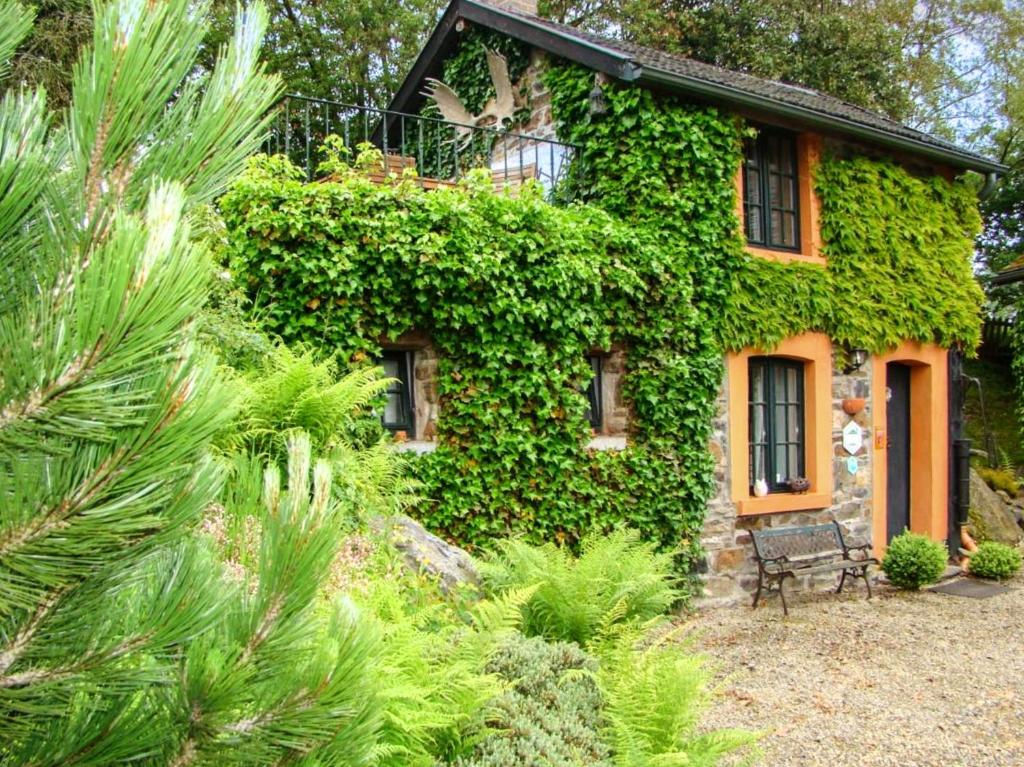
425,553
990,519
1003,496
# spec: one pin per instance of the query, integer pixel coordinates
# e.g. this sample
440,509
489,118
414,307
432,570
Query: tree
45,58
119,638
357,51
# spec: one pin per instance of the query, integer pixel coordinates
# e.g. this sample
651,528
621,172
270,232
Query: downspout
991,179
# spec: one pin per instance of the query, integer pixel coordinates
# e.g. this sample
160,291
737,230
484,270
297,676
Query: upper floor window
594,414
771,195
398,412
777,452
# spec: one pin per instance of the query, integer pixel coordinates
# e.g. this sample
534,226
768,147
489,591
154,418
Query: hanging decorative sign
853,438
852,464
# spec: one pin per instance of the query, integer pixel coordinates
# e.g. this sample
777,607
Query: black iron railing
436,149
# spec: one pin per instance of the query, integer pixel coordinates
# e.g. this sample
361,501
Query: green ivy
512,291
898,250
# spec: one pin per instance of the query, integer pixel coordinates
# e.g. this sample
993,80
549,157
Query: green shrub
913,560
550,715
1000,479
616,579
995,560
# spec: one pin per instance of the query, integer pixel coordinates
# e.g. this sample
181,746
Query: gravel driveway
907,679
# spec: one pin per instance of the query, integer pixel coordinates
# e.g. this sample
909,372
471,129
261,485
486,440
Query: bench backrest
797,542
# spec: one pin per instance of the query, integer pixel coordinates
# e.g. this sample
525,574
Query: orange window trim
929,449
815,351
808,154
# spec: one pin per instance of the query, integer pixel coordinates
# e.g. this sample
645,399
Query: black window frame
757,156
595,411
403,389
770,404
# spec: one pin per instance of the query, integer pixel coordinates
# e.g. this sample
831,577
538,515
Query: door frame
929,443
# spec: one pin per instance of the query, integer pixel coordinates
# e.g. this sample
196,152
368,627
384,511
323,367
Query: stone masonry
731,573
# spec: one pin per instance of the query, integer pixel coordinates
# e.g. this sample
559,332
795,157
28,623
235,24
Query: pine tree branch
22,638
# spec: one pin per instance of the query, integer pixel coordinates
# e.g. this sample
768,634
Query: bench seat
786,552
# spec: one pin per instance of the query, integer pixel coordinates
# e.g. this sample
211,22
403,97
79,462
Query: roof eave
716,91
1009,276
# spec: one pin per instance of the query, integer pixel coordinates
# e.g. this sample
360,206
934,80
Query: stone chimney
529,7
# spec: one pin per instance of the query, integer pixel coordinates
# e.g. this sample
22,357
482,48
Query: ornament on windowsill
760,488
799,484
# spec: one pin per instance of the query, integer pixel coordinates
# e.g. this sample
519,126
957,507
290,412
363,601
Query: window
771,213
594,414
777,452
398,412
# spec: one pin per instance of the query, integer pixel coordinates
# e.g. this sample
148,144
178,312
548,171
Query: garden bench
786,552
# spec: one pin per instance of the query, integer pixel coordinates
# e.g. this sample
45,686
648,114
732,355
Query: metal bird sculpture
496,111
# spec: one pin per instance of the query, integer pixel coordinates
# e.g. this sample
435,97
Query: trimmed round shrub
995,560
913,560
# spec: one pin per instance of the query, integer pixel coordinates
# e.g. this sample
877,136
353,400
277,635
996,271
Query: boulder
426,554
990,518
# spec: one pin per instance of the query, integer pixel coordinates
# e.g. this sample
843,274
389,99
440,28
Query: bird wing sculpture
450,105
495,112
504,103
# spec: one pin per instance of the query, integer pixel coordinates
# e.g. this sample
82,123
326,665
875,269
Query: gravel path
907,680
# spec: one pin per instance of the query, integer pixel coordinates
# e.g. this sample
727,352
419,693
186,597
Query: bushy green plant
1000,479
995,560
550,713
655,693
914,560
294,389
617,578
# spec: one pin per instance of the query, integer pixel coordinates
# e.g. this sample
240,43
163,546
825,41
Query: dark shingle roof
636,63
808,98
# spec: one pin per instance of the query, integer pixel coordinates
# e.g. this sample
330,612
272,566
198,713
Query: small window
594,414
771,212
398,412
776,421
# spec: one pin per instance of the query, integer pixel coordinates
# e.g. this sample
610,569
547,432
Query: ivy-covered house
748,316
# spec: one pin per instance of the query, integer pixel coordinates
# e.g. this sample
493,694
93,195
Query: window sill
785,256
780,502
607,443
416,446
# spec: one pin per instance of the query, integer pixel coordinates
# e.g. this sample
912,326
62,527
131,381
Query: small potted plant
799,484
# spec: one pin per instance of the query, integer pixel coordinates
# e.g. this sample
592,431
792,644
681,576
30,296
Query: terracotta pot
853,406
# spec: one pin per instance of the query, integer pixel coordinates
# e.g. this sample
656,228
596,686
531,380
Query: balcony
440,152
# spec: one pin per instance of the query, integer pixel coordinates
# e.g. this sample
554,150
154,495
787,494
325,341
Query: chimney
527,7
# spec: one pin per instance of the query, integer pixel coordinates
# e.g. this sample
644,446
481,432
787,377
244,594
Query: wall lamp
855,359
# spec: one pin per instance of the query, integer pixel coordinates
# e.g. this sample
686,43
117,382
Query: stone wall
730,574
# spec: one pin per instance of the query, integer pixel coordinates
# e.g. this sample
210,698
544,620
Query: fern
293,390
616,579
654,698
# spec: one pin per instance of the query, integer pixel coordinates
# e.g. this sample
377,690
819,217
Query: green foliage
279,675
914,560
512,292
1000,479
995,560
110,606
293,390
899,251
655,694
550,713
617,579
